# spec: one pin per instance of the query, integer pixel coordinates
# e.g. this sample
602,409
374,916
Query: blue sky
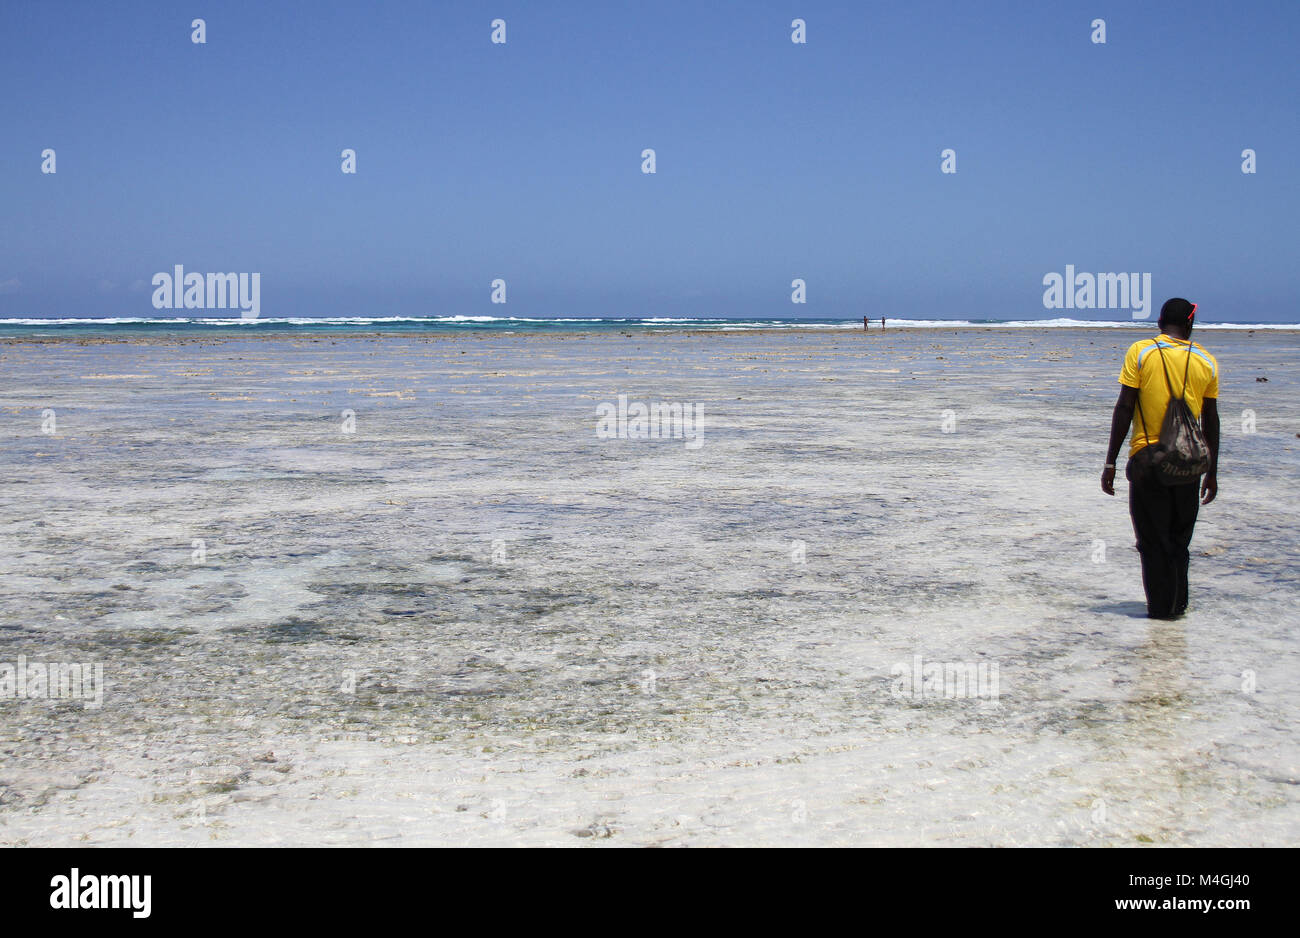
775,160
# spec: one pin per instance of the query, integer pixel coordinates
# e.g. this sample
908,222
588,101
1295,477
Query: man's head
1176,317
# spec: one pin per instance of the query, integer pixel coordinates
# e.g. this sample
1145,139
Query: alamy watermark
34,680
950,680
1098,291
179,290
83,891
658,420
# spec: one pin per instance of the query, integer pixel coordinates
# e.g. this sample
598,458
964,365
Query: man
1164,515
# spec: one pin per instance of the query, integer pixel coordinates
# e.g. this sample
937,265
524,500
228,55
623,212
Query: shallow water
471,620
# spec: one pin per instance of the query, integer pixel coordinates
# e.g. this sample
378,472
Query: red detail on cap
1193,312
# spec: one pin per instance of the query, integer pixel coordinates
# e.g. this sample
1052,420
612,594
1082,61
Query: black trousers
1163,519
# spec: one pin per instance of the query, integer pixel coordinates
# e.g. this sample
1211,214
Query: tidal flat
397,590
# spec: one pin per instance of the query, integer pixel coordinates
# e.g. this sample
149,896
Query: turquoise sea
506,324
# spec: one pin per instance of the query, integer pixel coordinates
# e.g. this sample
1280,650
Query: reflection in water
1162,676
1156,713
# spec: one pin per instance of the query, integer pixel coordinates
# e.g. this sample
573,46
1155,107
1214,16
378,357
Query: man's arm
1120,421
1210,427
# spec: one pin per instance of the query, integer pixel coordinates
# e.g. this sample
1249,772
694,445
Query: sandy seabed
471,620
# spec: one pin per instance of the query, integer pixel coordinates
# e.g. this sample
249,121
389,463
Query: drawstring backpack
1180,455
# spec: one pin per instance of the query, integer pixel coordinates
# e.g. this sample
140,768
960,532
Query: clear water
474,621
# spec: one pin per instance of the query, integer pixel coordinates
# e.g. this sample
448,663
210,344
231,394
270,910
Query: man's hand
1209,488
1120,421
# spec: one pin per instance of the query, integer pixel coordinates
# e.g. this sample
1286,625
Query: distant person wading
1164,499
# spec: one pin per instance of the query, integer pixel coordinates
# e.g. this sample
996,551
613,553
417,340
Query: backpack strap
1141,416
1165,367
1186,370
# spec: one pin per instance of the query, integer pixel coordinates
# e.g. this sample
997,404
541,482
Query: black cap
1177,310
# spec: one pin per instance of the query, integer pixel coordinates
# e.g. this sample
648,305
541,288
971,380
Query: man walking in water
1164,515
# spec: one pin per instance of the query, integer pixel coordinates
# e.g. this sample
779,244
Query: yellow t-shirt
1142,370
